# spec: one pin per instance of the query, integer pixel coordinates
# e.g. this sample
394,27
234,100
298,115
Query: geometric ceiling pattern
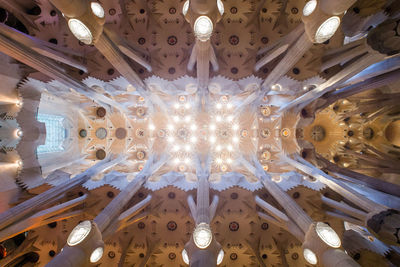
200,133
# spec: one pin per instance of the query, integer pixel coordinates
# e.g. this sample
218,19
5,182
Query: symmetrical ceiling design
199,133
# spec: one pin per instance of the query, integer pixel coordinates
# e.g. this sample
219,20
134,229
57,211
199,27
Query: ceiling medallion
101,133
265,133
140,133
285,132
265,111
140,111
140,155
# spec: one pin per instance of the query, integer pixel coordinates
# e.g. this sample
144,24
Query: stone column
312,241
33,204
79,255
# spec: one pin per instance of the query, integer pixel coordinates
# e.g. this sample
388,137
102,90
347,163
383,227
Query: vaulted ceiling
263,121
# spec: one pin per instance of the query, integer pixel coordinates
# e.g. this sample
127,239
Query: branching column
33,204
329,255
202,213
80,254
383,222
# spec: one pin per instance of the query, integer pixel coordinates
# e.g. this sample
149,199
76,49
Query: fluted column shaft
288,204
31,205
114,208
203,200
203,63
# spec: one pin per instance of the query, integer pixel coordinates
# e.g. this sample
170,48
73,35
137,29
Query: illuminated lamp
79,233
203,28
202,235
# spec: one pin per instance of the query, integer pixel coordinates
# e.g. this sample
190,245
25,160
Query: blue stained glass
55,133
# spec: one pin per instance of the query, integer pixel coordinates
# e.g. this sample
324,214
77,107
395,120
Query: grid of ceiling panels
55,133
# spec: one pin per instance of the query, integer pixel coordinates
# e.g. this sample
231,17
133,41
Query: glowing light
187,148
203,28
229,147
212,127
235,127
18,103
220,257
218,118
185,256
229,105
285,132
230,118
96,254
170,127
193,127
182,98
176,119
309,7
19,133
327,29
176,160
187,160
187,105
220,7
176,105
202,235
235,139
310,256
218,148
218,160
188,119
80,31
193,139
182,168
224,168
171,139
212,139
19,163
276,87
328,235
218,105
185,9
79,233
176,148
152,127
229,160
97,9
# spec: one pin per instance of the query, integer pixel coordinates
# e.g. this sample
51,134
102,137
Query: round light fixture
310,256
185,257
220,6
79,233
202,235
185,7
19,133
220,257
80,31
203,28
327,29
328,235
97,9
96,254
309,7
